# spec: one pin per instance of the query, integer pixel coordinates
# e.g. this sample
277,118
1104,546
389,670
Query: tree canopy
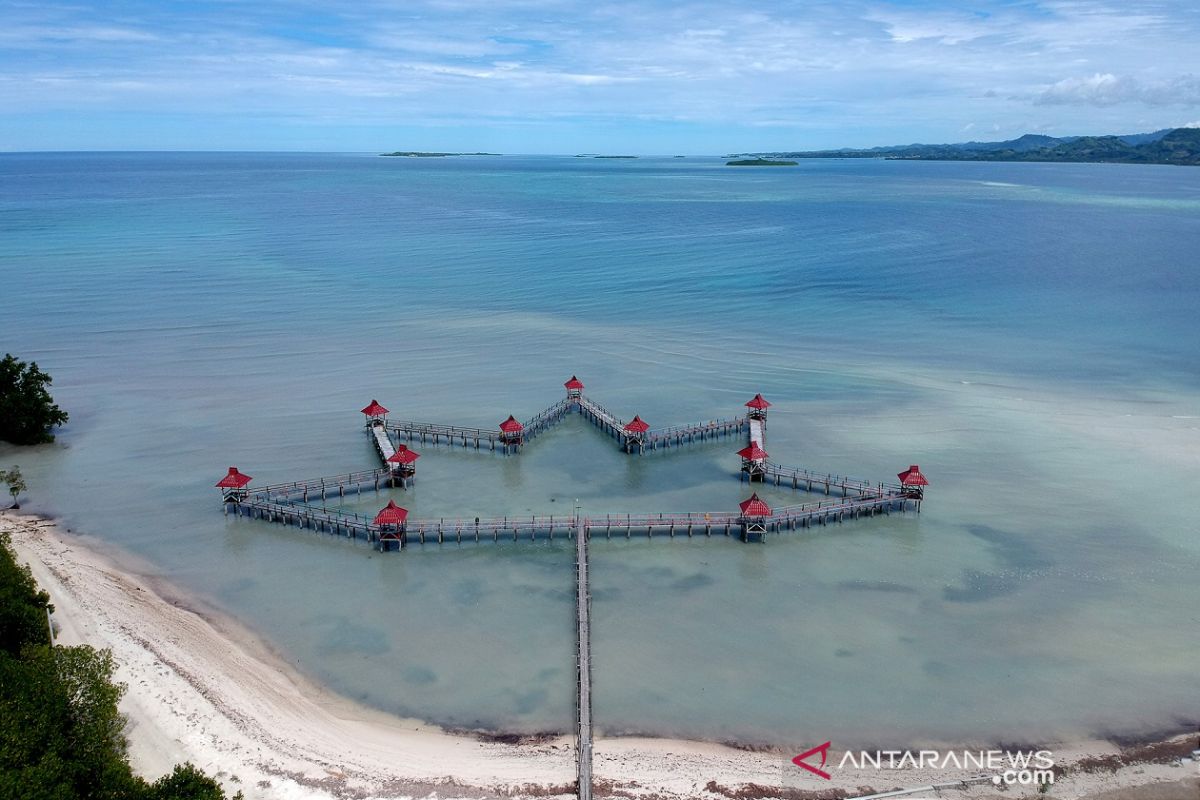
27,411
61,734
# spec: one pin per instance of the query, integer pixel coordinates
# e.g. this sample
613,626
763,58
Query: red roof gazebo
574,387
403,463
914,483
234,480
512,431
637,425
754,460
233,485
375,410
391,515
754,507
758,407
753,452
403,456
913,477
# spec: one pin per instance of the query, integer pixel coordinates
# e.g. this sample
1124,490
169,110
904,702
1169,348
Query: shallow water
1024,332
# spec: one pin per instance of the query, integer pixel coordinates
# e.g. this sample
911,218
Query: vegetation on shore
14,481
61,735
27,411
759,162
423,154
1171,146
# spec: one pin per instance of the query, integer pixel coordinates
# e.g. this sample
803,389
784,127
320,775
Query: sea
1028,334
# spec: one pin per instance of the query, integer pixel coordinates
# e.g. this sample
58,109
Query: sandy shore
201,688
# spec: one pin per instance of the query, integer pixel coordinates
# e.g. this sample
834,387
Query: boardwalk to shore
583,661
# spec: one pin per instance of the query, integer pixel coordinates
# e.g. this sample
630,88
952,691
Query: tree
16,482
61,731
27,411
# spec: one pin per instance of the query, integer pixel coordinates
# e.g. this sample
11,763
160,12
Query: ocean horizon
1026,333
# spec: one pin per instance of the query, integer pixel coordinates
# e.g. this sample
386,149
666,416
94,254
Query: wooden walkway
492,440
304,504
277,508
583,669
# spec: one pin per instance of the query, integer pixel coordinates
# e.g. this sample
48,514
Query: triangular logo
823,749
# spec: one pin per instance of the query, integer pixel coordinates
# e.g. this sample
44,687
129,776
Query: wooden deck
583,669
304,503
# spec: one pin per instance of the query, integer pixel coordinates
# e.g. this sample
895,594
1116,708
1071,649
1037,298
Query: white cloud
1107,89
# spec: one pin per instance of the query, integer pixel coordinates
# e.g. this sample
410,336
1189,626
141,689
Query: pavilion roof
753,452
637,425
511,425
233,480
403,455
574,383
913,477
753,507
758,403
391,514
375,409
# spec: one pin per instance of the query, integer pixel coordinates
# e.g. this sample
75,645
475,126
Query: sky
553,76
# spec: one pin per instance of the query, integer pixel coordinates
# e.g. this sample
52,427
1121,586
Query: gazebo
574,388
758,407
391,523
914,482
754,461
403,463
635,433
754,518
512,432
233,486
375,413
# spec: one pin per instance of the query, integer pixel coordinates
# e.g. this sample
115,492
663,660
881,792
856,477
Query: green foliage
759,162
61,733
15,481
186,783
23,605
27,411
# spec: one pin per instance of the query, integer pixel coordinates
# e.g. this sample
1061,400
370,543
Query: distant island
593,155
1167,146
759,162
421,154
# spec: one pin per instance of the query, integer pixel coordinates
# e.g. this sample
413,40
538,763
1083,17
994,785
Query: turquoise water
1025,332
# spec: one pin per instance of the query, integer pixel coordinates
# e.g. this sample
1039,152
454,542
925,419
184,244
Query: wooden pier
302,504
583,668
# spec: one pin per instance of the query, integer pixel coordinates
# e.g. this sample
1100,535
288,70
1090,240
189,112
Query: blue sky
550,76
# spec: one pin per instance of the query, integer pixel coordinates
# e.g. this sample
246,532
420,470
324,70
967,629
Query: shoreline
203,688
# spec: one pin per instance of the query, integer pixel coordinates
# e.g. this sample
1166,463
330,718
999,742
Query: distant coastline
759,162
1179,146
424,154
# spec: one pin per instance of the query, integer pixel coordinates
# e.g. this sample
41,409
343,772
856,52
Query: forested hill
1170,146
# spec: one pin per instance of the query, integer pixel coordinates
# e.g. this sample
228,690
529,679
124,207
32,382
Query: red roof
637,425
574,383
758,403
511,425
391,514
403,456
754,507
374,410
233,480
913,477
753,452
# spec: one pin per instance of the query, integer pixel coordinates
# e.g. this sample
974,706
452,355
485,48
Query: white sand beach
203,689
